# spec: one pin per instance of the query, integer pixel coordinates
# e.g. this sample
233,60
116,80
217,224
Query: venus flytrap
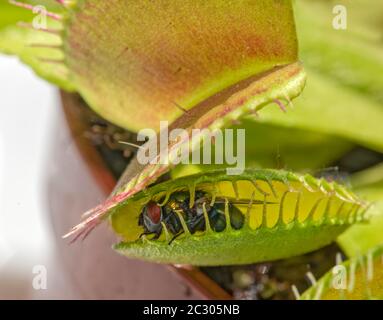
168,69
200,73
360,238
137,63
41,49
287,81
345,72
352,57
360,278
282,213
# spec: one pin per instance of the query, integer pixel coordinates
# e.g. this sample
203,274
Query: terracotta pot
78,179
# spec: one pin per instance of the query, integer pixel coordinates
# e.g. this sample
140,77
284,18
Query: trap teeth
271,224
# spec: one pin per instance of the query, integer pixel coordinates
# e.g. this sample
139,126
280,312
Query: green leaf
283,215
16,40
277,147
353,57
141,62
229,106
360,278
359,239
272,146
328,107
10,15
343,96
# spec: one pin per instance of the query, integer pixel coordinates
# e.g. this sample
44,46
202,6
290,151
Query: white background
27,107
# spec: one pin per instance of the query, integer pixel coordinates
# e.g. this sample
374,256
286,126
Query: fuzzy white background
27,107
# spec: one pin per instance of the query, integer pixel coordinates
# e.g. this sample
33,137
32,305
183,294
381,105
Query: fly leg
156,235
175,237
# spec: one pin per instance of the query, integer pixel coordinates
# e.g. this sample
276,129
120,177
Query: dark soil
274,280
